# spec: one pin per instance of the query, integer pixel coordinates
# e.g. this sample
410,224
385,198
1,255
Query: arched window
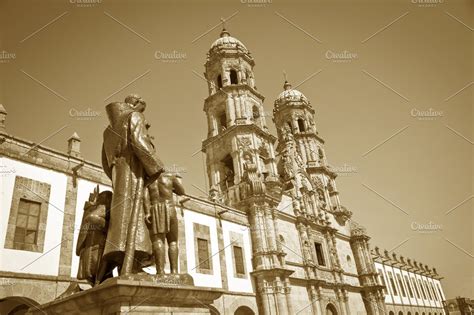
223,121
409,313
391,313
255,112
301,126
281,239
233,77
243,310
219,81
331,310
400,313
228,172
349,260
320,153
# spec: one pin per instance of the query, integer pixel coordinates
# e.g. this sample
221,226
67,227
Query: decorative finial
224,31
286,86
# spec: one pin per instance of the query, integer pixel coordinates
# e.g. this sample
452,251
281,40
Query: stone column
243,108
238,112
230,112
68,228
278,290
288,296
270,228
314,300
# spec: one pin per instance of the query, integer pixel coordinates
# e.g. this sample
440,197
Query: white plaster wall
237,284
437,285
418,300
380,268
405,299
286,205
84,188
420,283
356,303
292,245
46,263
428,291
395,298
434,292
344,249
214,280
409,284
300,299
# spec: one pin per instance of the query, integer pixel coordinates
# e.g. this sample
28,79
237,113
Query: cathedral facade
273,234
306,250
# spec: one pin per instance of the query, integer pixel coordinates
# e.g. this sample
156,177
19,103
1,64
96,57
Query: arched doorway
331,310
244,310
16,305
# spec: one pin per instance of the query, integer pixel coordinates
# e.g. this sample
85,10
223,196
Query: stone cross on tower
223,23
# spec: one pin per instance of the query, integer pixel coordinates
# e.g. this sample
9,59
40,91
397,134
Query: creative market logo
85,3
429,227
427,114
340,56
170,56
427,3
256,3
6,56
84,114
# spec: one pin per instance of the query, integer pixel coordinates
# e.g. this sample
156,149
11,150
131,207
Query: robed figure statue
91,238
130,161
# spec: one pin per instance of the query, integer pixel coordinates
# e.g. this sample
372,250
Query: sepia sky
407,178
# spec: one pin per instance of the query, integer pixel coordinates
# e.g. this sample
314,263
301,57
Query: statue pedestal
126,296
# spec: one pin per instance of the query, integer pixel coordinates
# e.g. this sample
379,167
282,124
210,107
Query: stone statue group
127,229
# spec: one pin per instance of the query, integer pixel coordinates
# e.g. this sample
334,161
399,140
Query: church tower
308,179
294,118
241,164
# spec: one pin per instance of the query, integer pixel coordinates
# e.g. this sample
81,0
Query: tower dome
225,41
290,95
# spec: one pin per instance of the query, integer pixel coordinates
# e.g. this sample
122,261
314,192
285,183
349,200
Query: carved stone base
127,296
164,279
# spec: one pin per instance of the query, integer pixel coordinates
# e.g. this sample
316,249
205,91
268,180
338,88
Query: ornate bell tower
241,164
300,140
310,182
237,131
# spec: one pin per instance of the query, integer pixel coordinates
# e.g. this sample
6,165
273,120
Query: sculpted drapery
128,159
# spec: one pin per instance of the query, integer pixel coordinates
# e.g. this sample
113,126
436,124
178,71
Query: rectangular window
435,296
428,289
439,291
203,254
239,260
407,281
27,220
422,289
392,283
319,254
416,287
400,283
382,281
